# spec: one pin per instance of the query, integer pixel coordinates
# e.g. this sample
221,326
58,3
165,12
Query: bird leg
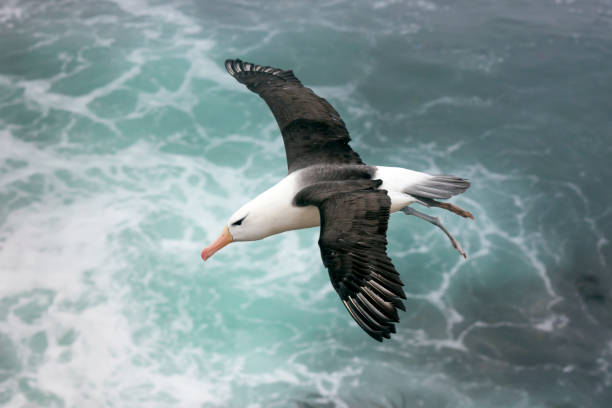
435,221
453,208
428,202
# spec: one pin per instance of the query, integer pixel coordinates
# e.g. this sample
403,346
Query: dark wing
353,243
312,130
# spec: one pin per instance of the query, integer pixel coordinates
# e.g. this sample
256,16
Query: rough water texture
124,147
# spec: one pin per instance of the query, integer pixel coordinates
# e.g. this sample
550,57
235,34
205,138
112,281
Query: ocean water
124,148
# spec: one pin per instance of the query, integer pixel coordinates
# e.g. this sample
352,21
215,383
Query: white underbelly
307,217
395,180
399,200
285,216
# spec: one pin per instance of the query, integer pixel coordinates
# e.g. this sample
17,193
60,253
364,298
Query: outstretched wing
312,130
353,243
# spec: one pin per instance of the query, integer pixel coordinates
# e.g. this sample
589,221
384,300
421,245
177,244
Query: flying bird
328,185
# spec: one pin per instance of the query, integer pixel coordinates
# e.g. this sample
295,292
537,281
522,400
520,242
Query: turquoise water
124,148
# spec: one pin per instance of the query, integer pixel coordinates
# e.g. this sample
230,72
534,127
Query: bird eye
239,222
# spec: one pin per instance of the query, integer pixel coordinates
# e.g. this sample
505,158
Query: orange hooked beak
224,239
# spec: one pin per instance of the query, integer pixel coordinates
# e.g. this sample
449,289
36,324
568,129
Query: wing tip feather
239,69
372,316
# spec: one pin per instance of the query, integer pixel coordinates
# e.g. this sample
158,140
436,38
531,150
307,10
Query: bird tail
440,187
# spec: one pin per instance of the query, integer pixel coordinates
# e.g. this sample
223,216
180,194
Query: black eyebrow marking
239,222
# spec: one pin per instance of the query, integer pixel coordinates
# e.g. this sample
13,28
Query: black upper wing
353,243
312,130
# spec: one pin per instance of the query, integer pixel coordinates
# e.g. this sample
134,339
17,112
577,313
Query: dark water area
125,146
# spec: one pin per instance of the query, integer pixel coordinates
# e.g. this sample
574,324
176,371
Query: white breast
277,211
396,180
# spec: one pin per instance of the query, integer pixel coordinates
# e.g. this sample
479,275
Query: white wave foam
472,101
421,4
89,297
10,11
70,250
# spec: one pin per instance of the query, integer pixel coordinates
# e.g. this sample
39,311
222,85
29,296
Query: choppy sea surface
124,148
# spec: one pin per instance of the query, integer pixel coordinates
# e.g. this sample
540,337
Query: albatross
328,185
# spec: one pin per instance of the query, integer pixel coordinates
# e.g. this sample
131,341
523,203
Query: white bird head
271,212
255,220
